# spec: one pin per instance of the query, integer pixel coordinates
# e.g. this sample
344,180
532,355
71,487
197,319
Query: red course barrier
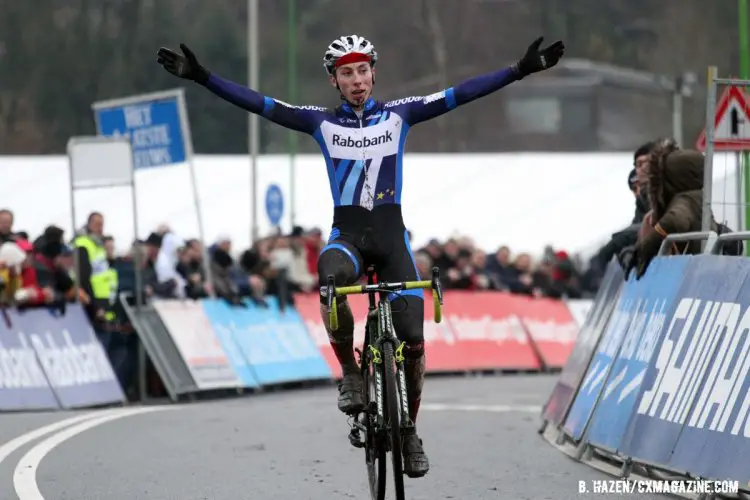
479,331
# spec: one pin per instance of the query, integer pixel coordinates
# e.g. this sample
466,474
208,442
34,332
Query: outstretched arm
420,109
425,108
300,118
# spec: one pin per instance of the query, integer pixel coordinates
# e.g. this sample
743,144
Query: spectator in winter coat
223,272
675,191
50,268
641,160
6,226
499,269
190,267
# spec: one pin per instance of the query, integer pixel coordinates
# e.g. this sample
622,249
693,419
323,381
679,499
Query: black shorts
361,238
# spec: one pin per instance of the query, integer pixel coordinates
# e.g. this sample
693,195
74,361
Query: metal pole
293,99
194,183
677,113
738,188
252,77
710,138
744,73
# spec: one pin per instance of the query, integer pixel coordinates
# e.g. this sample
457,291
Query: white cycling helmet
349,49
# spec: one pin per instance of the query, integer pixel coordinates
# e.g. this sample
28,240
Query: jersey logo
366,142
404,100
306,108
425,99
351,143
434,97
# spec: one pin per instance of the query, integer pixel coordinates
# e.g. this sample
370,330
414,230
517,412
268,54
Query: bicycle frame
379,322
379,329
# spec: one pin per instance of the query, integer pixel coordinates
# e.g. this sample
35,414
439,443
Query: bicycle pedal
356,439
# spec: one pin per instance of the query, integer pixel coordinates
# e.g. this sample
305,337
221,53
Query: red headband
352,57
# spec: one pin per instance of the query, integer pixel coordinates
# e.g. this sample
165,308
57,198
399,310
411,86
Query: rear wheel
393,418
374,448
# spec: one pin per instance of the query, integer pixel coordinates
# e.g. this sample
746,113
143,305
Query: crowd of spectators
38,271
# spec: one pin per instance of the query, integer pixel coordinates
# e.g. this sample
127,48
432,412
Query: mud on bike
379,427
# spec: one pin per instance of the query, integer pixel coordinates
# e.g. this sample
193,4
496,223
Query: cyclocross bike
386,413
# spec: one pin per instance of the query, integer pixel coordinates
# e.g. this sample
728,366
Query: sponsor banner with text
276,344
479,331
586,343
23,383
198,344
652,303
599,372
74,362
692,411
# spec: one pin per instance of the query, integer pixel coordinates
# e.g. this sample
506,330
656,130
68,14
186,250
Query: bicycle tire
374,449
394,418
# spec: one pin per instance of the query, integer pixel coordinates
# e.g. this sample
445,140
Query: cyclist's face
355,82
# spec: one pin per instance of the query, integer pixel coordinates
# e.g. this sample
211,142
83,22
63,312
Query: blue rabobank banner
23,383
222,318
155,124
652,300
275,343
674,389
73,360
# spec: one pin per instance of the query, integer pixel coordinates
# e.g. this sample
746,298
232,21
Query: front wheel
374,447
393,418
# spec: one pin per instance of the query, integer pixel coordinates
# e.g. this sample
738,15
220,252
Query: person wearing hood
96,277
226,281
167,260
675,193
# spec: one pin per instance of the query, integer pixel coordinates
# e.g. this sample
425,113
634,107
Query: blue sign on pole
156,124
274,204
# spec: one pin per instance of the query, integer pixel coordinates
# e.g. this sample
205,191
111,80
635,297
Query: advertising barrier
479,331
551,327
668,384
23,384
579,309
599,367
713,409
668,411
588,338
275,344
73,360
654,295
221,319
199,346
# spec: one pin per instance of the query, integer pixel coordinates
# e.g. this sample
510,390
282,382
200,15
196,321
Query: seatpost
371,281
329,291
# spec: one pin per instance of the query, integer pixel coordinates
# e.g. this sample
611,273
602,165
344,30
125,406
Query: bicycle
386,413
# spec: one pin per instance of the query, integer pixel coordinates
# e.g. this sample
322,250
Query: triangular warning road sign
732,123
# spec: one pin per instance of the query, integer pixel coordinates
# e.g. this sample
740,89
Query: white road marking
21,440
24,477
488,408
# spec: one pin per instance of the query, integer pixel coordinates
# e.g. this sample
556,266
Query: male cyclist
362,141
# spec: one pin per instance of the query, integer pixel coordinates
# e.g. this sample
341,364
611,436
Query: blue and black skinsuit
364,158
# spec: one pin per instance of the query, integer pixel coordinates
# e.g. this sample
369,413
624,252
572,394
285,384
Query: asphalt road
479,432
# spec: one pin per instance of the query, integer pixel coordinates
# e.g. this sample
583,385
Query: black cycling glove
536,60
185,66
